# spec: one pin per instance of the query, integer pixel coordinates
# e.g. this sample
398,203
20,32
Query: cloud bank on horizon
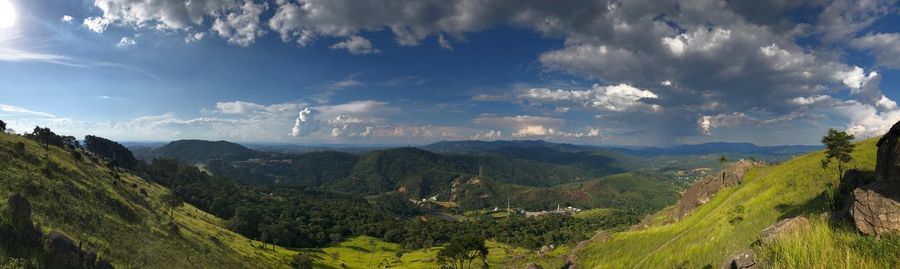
615,72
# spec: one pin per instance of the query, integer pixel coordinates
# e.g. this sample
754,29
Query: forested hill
416,172
197,151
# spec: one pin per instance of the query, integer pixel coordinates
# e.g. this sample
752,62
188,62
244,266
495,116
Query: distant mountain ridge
475,146
722,147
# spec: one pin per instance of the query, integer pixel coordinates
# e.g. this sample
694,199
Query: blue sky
410,72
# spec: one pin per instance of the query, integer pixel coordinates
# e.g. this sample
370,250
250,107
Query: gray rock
703,190
875,208
783,227
745,259
874,211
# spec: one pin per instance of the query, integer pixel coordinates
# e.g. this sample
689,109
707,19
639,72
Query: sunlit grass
706,236
367,252
827,245
112,217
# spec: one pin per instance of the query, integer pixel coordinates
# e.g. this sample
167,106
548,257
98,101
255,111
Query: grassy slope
84,201
366,252
706,237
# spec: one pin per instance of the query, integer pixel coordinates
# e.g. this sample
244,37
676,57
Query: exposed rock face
887,166
701,191
876,209
783,227
745,259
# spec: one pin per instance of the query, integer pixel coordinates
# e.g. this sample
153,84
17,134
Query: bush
302,261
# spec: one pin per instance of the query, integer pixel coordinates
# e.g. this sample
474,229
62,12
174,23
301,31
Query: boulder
703,190
783,227
887,166
745,259
543,251
875,208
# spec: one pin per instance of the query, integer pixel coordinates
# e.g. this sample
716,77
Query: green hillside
734,218
199,151
119,215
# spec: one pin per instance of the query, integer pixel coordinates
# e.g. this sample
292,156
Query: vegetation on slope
200,151
118,215
733,219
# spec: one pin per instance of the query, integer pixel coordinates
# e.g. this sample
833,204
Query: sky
644,72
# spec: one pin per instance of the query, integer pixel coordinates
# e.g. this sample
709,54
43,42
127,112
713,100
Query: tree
2,126
462,250
46,137
111,150
838,146
302,261
171,201
722,161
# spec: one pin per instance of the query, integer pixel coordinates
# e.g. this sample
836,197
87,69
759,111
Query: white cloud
856,78
810,100
241,27
10,110
356,45
126,42
865,120
96,24
66,19
616,98
488,135
16,55
302,118
238,107
195,37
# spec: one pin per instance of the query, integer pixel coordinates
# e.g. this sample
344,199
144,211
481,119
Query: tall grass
835,245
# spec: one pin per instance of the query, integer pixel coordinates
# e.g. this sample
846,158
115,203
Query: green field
367,252
733,219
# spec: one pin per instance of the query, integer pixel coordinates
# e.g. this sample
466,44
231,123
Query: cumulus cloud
693,59
66,19
356,45
241,27
302,118
96,24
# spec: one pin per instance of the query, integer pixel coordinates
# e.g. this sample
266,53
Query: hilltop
197,151
118,215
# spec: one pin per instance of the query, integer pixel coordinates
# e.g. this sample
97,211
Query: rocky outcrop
745,259
875,208
782,227
703,190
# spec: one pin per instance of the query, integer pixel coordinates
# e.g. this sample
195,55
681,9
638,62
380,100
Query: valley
376,208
